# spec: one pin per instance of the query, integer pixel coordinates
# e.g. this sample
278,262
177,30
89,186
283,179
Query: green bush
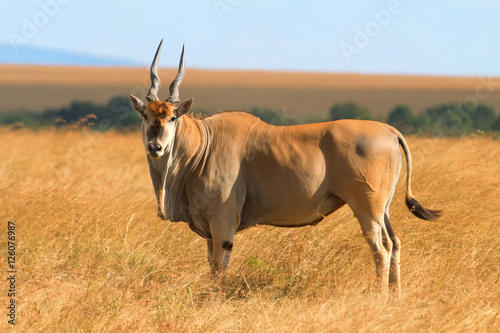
20,118
272,116
459,118
118,114
403,119
483,118
349,110
496,127
313,118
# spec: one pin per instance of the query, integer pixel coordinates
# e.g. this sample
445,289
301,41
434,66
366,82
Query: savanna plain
93,257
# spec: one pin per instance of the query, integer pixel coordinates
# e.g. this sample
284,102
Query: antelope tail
413,205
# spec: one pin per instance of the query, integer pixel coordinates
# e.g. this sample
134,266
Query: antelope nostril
154,148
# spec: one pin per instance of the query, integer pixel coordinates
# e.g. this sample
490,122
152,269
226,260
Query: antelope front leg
222,243
221,252
210,256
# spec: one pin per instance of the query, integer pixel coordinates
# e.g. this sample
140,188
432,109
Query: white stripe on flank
248,135
258,134
267,138
279,135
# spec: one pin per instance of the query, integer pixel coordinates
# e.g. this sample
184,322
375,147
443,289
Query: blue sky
364,36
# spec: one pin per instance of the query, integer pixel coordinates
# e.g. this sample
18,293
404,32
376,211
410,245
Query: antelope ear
184,107
137,104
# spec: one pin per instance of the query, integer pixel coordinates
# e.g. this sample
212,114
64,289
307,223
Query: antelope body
230,171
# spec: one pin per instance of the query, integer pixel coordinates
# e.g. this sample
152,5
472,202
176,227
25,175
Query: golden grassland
295,93
93,257
269,79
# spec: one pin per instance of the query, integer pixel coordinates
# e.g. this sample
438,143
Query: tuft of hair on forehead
159,109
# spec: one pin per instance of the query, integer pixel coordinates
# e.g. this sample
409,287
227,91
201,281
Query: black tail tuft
422,213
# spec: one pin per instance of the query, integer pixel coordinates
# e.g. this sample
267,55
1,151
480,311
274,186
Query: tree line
451,119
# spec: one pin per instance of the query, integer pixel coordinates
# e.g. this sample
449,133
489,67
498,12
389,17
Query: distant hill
37,88
29,55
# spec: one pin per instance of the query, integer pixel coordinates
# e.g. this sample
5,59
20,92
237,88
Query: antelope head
160,118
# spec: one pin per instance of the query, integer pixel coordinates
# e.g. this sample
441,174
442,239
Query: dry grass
296,93
93,256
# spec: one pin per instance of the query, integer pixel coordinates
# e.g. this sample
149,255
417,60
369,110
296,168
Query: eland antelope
231,171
